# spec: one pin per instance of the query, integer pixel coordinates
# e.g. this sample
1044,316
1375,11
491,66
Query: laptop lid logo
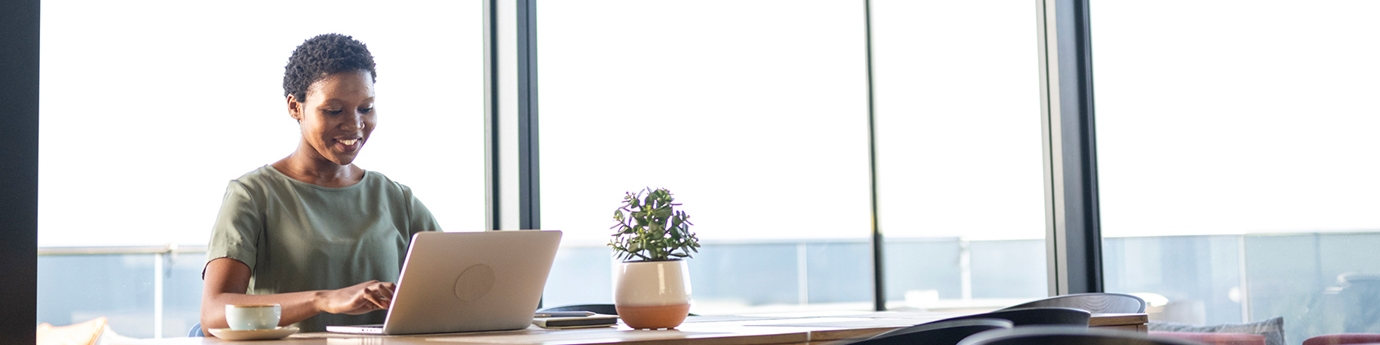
474,282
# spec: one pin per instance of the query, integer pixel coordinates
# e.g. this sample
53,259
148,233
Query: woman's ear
294,108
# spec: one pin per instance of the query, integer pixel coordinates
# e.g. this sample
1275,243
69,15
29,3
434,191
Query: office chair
935,333
1035,317
1064,335
1096,303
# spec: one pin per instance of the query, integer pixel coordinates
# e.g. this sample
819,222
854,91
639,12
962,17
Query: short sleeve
237,229
420,218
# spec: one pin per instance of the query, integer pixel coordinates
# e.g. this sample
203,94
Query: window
753,113
959,168
150,107
1236,159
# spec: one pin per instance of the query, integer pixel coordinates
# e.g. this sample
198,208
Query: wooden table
727,330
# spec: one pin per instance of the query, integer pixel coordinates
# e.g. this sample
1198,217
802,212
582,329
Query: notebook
468,282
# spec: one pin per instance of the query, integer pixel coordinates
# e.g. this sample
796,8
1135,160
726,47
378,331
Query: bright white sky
756,122
1238,117
149,108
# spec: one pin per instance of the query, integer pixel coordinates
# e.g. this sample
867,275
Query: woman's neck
318,170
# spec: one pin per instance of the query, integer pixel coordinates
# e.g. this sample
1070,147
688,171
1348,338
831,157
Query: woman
313,232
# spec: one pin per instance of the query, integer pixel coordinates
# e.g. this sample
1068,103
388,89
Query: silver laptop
468,281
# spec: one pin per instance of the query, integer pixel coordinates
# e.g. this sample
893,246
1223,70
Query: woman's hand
357,299
227,280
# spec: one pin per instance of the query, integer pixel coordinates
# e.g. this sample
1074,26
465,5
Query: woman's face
337,116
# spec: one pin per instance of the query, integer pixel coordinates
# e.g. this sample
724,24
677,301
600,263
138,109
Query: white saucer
257,334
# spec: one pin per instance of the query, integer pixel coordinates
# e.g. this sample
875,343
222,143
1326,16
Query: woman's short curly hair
321,56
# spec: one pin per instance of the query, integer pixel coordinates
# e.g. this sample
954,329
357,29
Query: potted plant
652,287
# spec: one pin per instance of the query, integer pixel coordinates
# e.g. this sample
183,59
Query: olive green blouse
297,236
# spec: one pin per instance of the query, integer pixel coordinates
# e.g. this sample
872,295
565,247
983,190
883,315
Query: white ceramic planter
652,294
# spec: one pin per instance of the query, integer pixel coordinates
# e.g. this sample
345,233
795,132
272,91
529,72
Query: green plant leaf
648,228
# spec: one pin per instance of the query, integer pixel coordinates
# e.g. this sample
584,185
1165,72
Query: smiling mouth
349,145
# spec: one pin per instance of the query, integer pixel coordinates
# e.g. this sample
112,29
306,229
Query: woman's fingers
365,297
374,296
389,289
386,294
378,296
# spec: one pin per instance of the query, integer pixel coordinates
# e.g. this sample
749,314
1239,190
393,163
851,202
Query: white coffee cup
246,317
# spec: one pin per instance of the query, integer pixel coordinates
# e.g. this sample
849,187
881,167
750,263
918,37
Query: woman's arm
227,280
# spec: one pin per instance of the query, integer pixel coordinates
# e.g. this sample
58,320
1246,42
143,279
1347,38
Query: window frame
511,153
1073,236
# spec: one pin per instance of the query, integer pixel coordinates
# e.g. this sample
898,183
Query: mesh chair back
935,333
1036,316
1063,335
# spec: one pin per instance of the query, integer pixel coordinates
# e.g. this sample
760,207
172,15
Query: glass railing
145,292
1320,283
822,274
